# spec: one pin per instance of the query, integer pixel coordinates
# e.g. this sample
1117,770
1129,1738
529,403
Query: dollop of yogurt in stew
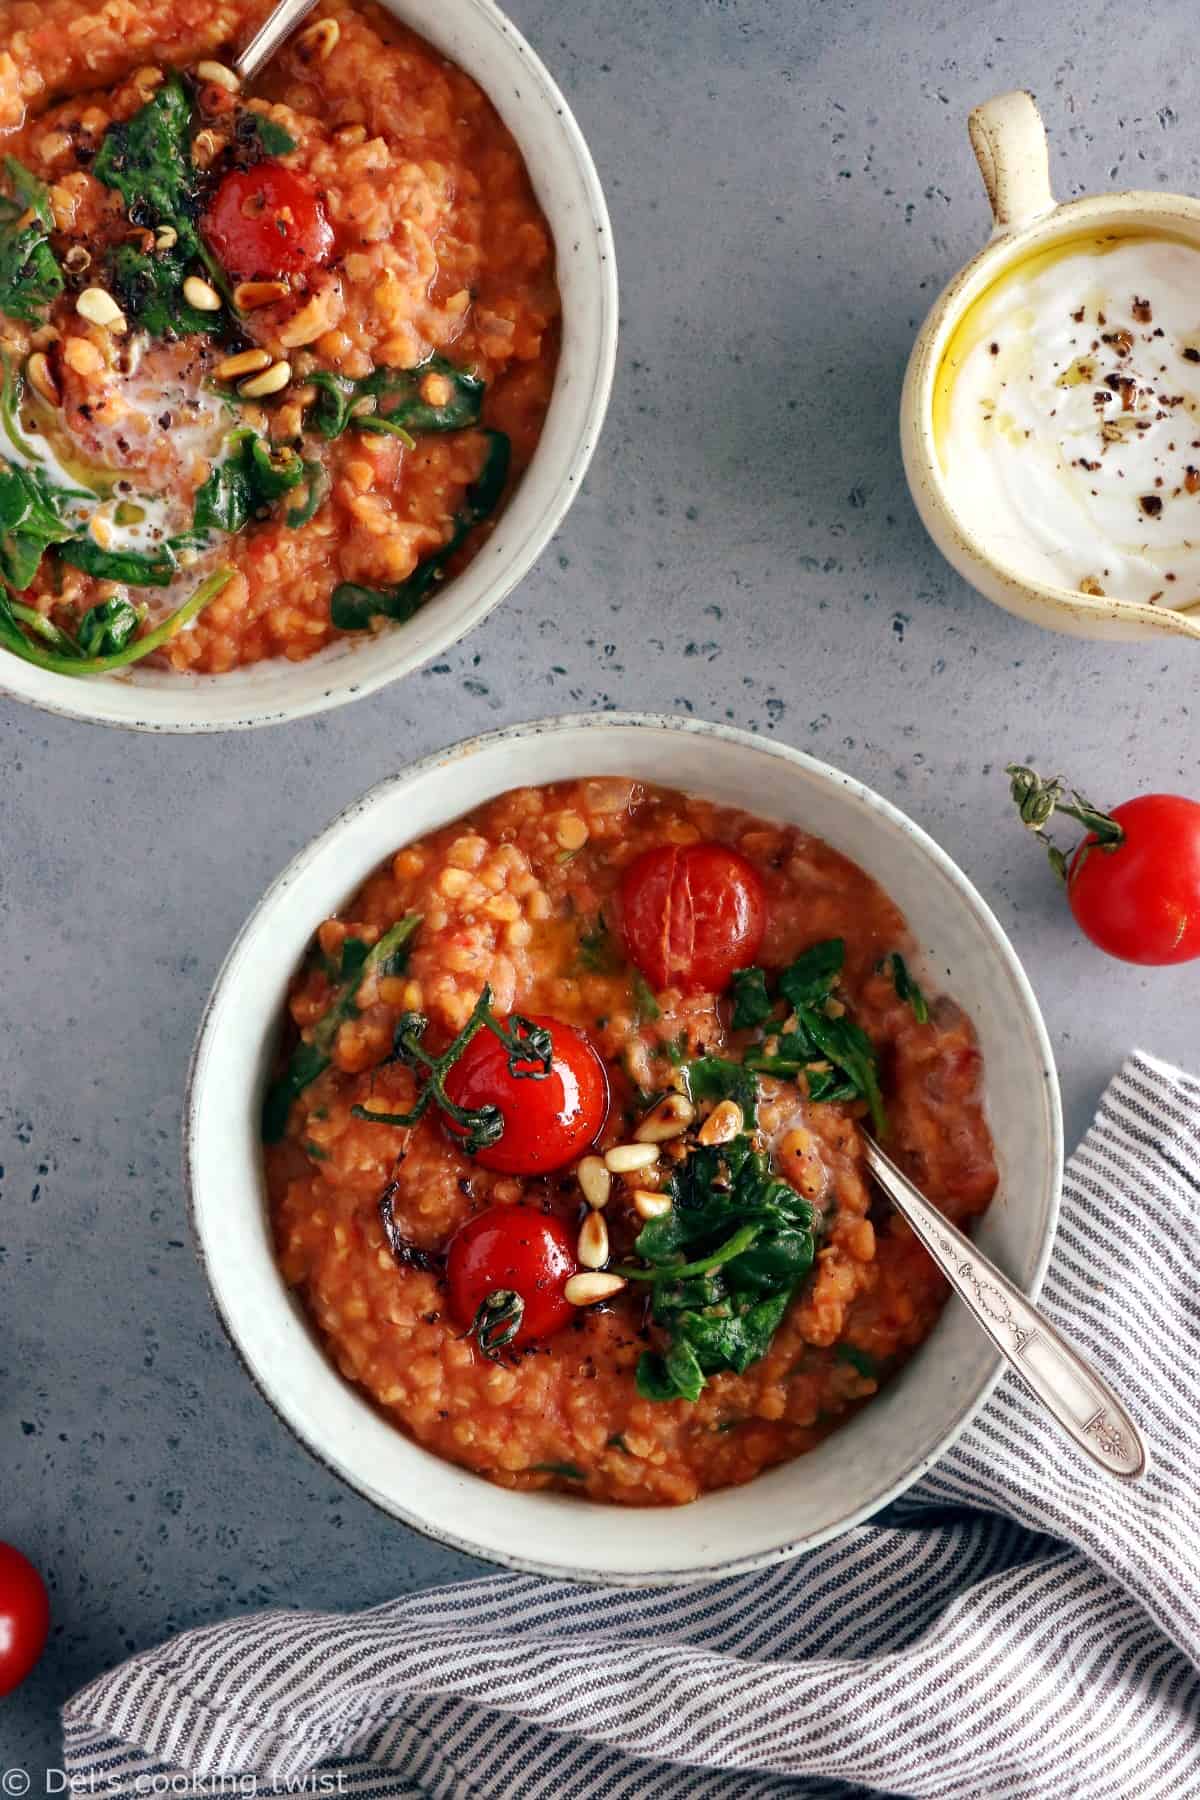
1067,418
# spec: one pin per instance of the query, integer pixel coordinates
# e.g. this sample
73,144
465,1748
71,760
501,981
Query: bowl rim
922,468
583,381
653,724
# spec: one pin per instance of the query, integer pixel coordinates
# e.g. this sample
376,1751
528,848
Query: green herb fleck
645,1005
907,989
568,1471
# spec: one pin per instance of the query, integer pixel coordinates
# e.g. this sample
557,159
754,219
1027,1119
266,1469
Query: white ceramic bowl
882,1449
476,35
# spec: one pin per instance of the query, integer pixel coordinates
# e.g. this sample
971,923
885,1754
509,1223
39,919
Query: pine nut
669,1119
592,1248
627,1159
319,41
41,378
248,296
722,1125
206,147
595,1182
99,308
215,71
246,362
77,259
571,832
166,237
199,294
586,1290
271,381
649,1205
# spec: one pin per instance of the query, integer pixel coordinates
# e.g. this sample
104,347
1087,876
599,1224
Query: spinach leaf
149,286
108,627
389,400
30,522
568,1471
248,482
752,1005
147,160
907,989
810,979
14,639
351,607
861,1360
30,277
847,1045
318,488
50,634
271,136
312,1057
717,1078
136,568
723,1264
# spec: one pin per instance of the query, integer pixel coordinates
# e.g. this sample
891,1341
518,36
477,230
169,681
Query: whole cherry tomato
267,222
1134,882
692,915
24,1617
549,1119
506,1269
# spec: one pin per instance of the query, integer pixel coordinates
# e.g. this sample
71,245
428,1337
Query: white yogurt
1067,419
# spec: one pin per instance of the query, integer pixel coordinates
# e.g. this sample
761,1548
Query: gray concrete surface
790,185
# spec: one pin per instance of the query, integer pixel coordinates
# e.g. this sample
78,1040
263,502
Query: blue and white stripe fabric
1019,1627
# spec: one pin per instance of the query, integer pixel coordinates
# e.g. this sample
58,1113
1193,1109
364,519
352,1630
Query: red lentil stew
564,1140
272,359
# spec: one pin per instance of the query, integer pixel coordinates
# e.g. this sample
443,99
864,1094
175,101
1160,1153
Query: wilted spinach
723,1263
72,662
312,1056
108,627
248,482
389,400
907,989
821,1042
30,277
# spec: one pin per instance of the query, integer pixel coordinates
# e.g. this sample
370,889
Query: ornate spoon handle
1085,1407
275,27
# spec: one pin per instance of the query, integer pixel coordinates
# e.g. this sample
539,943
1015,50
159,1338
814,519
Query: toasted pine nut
77,259
586,1290
571,832
319,41
592,1248
166,237
99,308
41,378
215,71
649,1205
627,1159
723,1124
199,294
271,381
669,1119
149,77
248,296
100,530
246,362
206,147
595,1182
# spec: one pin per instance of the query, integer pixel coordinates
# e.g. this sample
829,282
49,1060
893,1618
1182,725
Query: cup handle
1009,141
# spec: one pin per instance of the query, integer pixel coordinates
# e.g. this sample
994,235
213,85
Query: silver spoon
1084,1407
278,24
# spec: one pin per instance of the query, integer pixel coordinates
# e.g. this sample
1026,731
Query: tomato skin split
691,915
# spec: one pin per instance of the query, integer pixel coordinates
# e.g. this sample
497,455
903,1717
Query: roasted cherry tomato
692,915
24,1617
548,1119
267,222
506,1269
1134,882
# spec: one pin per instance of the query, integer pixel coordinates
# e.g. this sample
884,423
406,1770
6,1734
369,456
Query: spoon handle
278,24
1085,1407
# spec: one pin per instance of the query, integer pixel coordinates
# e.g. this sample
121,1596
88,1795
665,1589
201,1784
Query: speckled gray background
790,185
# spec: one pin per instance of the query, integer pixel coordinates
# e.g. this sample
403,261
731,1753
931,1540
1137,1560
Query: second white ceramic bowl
879,1452
476,35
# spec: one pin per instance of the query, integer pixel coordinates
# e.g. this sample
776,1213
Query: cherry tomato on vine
267,222
506,1269
692,915
1133,884
24,1617
548,1119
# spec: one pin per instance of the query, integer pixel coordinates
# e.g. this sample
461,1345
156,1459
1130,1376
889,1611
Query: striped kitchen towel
1019,1627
